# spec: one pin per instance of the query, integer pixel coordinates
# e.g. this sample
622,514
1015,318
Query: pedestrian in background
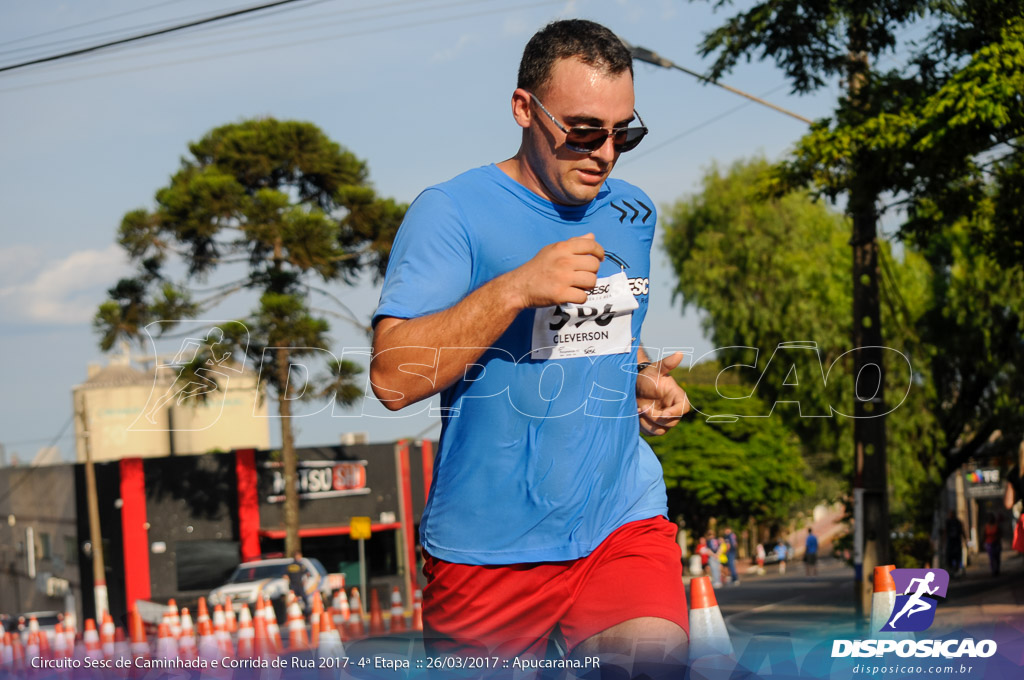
760,554
955,536
811,553
781,554
731,554
705,553
714,545
993,542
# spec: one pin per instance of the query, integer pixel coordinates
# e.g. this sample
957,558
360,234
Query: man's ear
521,109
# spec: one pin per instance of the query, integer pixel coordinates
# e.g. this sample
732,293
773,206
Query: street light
651,57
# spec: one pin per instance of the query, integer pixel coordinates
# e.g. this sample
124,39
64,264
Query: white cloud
62,291
450,53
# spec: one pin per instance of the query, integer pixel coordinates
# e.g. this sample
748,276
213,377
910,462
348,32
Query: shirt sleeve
430,267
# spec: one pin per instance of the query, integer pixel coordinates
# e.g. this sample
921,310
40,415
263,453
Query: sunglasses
587,139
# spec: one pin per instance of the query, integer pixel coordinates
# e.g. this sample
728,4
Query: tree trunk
290,462
870,483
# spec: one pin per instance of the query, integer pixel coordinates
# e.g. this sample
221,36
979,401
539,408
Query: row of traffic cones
253,634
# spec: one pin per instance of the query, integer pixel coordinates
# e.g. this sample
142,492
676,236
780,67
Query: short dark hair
590,42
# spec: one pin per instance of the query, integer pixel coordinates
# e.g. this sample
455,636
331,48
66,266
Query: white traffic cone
187,639
884,597
330,644
166,644
246,634
355,618
296,625
708,634
397,619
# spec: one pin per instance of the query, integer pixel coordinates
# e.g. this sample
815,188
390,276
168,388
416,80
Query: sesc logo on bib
601,325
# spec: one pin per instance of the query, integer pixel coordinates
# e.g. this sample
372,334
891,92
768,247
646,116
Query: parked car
270,579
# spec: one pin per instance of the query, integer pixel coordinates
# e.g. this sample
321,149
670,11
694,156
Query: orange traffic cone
91,639
708,634
107,636
69,631
60,642
263,647
202,612
246,634
297,639
137,633
32,655
314,620
175,619
883,599
417,610
17,654
220,632
166,644
209,648
187,639
121,648
355,618
273,629
397,611
6,652
231,623
329,644
376,617
44,645
341,613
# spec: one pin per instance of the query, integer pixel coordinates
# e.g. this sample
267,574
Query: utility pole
99,574
870,478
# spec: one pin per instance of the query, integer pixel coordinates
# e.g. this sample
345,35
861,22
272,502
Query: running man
517,291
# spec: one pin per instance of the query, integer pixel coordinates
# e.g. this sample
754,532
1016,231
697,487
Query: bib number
601,325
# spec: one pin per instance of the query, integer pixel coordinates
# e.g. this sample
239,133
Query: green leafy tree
772,275
747,468
940,133
293,213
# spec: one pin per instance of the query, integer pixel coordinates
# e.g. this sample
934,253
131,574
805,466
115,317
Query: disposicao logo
914,611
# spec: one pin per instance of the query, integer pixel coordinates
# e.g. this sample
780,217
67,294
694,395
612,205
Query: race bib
601,325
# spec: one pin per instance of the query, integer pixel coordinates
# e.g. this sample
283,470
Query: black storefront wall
108,493
191,506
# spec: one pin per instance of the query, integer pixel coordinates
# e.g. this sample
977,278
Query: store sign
321,479
984,483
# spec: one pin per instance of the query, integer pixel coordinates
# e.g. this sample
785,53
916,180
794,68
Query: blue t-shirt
811,547
538,460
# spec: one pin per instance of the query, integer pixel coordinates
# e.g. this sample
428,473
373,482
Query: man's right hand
561,272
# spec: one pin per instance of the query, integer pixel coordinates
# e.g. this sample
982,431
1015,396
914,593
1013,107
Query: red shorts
511,610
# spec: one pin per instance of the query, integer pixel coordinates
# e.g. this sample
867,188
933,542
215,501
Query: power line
85,23
143,36
11,489
316,21
265,48
690,130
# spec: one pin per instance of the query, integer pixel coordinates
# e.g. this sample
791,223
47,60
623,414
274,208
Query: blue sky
418,88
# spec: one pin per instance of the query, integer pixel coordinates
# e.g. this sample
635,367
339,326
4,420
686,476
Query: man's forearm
414,359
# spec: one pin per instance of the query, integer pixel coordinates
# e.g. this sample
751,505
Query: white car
270,579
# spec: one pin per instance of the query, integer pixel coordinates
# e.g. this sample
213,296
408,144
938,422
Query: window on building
71,550
45,551
204,565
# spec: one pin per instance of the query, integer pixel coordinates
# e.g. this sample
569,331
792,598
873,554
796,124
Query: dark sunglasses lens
585,139
628,139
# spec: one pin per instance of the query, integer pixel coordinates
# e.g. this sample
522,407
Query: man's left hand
660,401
